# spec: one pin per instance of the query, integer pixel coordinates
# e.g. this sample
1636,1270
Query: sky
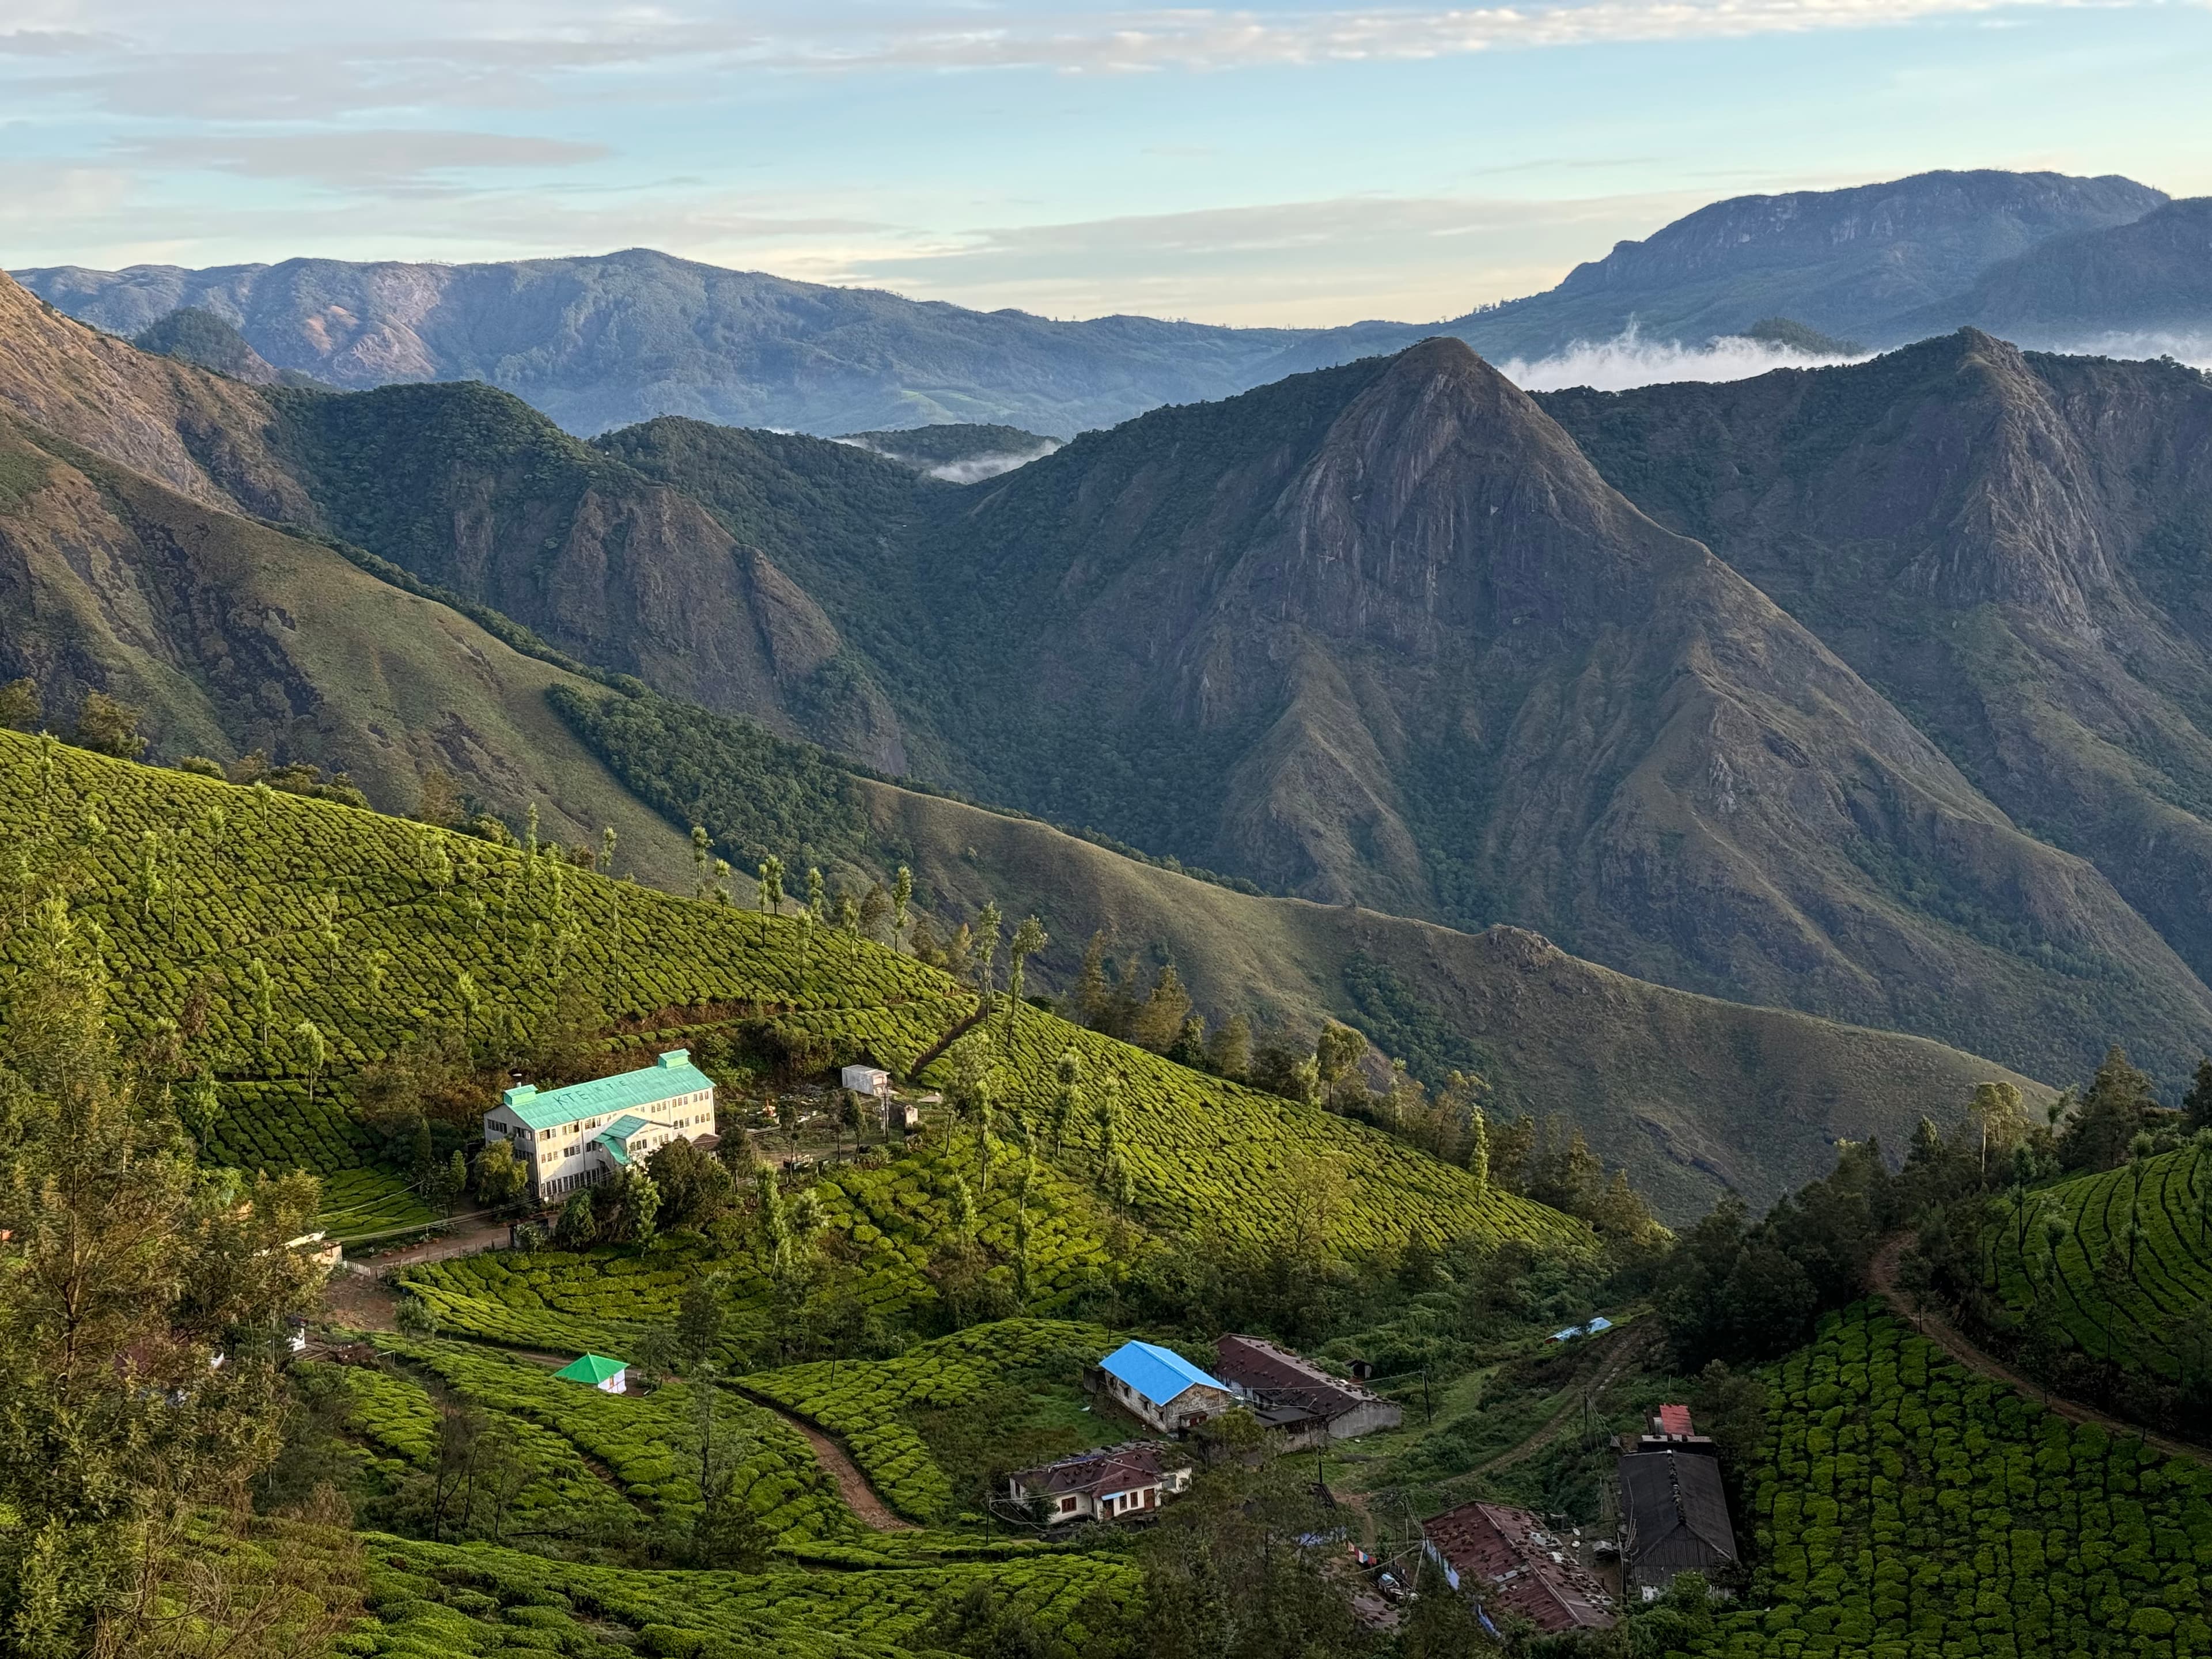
1270,164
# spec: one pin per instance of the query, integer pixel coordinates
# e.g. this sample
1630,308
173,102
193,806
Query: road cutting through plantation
860,1497
1882,1276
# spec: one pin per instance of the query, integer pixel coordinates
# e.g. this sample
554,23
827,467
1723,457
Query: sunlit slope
256,910
230,636
2134,1264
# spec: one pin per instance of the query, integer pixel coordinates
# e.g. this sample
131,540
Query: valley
1047,989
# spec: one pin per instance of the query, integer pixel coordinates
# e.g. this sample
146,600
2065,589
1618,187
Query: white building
1103,1485
580,1136
869,1080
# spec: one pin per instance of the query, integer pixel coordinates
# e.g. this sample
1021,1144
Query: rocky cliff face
1394,641
2014,546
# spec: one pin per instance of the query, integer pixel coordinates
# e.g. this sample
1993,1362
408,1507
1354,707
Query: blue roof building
587,1132
1160,1387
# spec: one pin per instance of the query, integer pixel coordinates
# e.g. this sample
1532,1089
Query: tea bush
396,1422
358,1202
431,1601
862,1402
1904,1508
640,1438
2171,1275
365,923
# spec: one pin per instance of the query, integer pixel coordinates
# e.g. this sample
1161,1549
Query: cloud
1339,258
1628,360
385,159
1209,39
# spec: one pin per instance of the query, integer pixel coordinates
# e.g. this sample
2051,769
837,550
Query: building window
1065,1504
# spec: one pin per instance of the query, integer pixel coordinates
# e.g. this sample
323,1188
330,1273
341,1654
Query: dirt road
1931,1324
1628,1348
860,1497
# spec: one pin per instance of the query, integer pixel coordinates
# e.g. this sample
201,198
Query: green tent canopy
592,1368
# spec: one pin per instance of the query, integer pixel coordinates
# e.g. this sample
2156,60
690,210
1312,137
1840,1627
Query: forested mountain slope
1381,634
1690,1092
2012,546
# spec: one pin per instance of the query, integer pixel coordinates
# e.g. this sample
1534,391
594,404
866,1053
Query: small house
580,1136
868,1081
1290,1392
1130,1479
1510,1563
1674,1518
1159,1387
597,1371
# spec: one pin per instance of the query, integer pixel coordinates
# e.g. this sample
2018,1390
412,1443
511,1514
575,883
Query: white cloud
383,159
1628,360
1293,263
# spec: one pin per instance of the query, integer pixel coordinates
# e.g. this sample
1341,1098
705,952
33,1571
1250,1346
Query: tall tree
1028,939
902,903
123,1272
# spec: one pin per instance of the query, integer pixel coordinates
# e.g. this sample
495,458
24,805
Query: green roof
592,1368
613,1148
671,1075
625,1125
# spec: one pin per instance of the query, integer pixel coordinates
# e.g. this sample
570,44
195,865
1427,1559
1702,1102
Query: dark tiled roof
1118,1468
1677,1513
1509,1551
1256,1363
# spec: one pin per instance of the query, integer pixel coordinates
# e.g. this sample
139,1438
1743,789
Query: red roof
1524,1568
1675,1419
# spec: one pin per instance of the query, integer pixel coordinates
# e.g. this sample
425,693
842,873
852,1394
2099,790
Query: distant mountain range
605,341
130,561
1918,749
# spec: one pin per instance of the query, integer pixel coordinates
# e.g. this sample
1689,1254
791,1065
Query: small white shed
868,1081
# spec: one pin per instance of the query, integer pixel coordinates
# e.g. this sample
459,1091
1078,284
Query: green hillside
238,913
1688,1091
2129,1277
1904,1508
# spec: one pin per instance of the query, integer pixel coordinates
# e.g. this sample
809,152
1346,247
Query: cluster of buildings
1673,1519
1289,1395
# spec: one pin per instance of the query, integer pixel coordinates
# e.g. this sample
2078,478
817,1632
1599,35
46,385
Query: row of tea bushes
640,1438
1907,1509
863,1402
373,927
431,1601
2122,1310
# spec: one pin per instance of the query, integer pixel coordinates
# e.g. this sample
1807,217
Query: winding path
860,1497
1628,1348
1881,1274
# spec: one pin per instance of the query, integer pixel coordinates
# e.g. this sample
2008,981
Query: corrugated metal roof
671,1075
625,1125
1158,1374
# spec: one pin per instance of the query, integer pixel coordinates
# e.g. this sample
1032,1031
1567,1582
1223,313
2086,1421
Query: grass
357,1202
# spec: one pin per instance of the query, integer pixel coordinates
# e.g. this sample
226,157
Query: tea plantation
637,1437
2122,1312
862,1402
394,1418
258,910
429,1602
1908,1509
